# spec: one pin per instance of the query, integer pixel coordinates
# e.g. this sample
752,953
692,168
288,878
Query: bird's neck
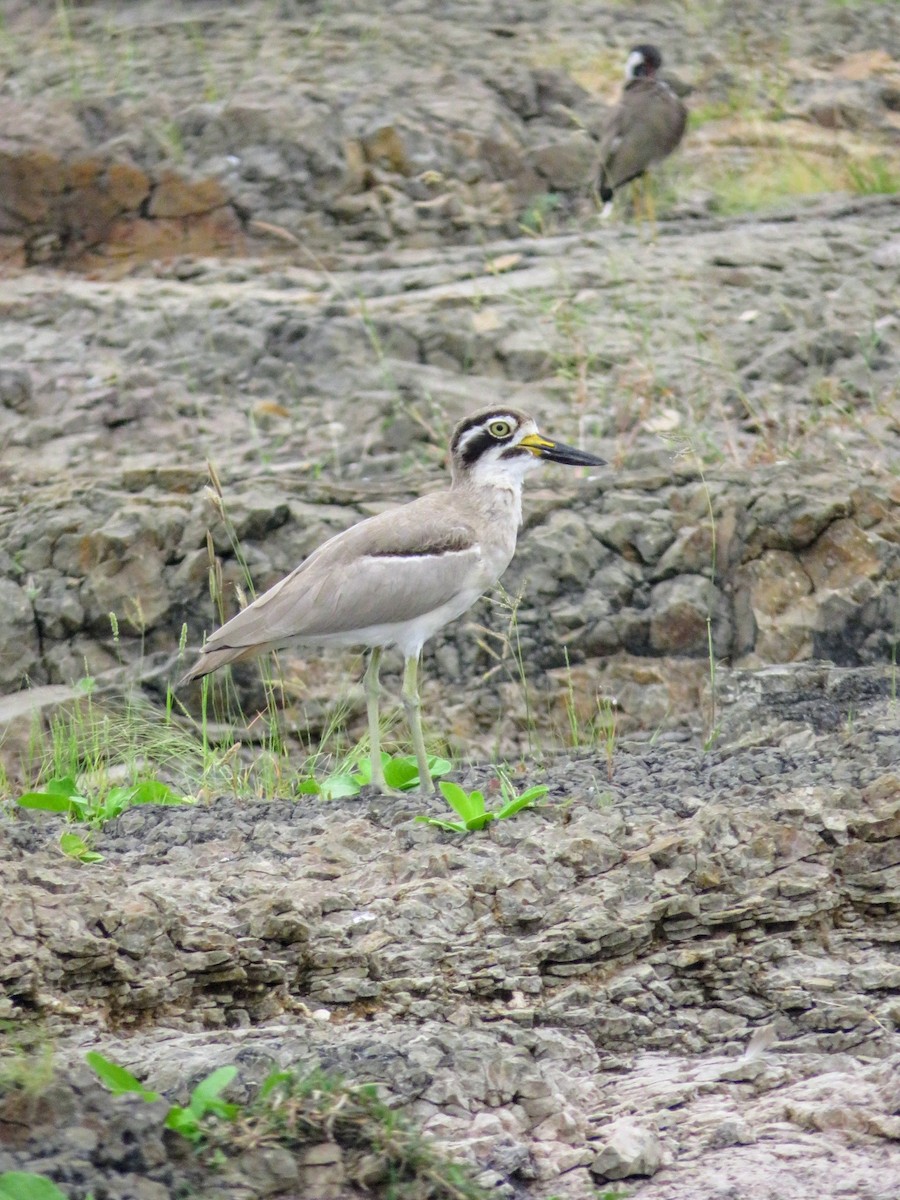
500,499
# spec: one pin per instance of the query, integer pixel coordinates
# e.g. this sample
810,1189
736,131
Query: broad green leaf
407,771
152,791
401,773
526,800
479,821
273,1081
119,1081
183,1121
208,1090
453,794
476,805
204,1099
46,802
219,1108
121,795
116,801
438,766
336,786
536,793
74,845
361,770
64,786
469,805
450,826
22,1185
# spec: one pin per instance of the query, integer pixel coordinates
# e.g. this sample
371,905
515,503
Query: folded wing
381,571
645,127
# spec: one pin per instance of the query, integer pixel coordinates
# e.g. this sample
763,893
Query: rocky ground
298,242
682,965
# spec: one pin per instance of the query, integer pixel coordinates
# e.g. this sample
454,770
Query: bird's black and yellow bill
559,452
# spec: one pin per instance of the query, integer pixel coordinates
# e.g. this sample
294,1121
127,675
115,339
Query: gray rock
628,1149
680,610
887,255
565,164
16,389
19,643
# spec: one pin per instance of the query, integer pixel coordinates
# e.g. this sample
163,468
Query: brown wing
645,127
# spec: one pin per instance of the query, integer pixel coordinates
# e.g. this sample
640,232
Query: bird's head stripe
472,426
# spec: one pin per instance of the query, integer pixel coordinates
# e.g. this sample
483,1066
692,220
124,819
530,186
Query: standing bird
644,127
397,578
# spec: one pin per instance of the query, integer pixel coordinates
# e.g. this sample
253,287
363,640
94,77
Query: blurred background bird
645,126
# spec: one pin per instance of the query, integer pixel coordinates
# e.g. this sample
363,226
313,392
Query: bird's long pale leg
411,707
650,202
637,198
373,691
644,205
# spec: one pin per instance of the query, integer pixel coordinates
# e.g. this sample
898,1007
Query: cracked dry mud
678,975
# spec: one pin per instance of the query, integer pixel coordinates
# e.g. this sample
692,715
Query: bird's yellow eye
500,429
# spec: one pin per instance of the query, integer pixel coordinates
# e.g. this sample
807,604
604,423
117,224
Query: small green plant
607,727
111,747
571,706
535,219
512,646
400,773
377,1141
873,176
470,806
67,39
206,1098
65,796
294,1110
22,1185
713,729
27,1064
73,845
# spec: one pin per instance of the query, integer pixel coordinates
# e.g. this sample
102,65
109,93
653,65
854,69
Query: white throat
504,475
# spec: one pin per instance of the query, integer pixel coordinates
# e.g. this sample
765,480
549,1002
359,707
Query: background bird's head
643,62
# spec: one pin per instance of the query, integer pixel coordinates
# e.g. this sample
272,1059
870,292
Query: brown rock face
174,196
70,210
